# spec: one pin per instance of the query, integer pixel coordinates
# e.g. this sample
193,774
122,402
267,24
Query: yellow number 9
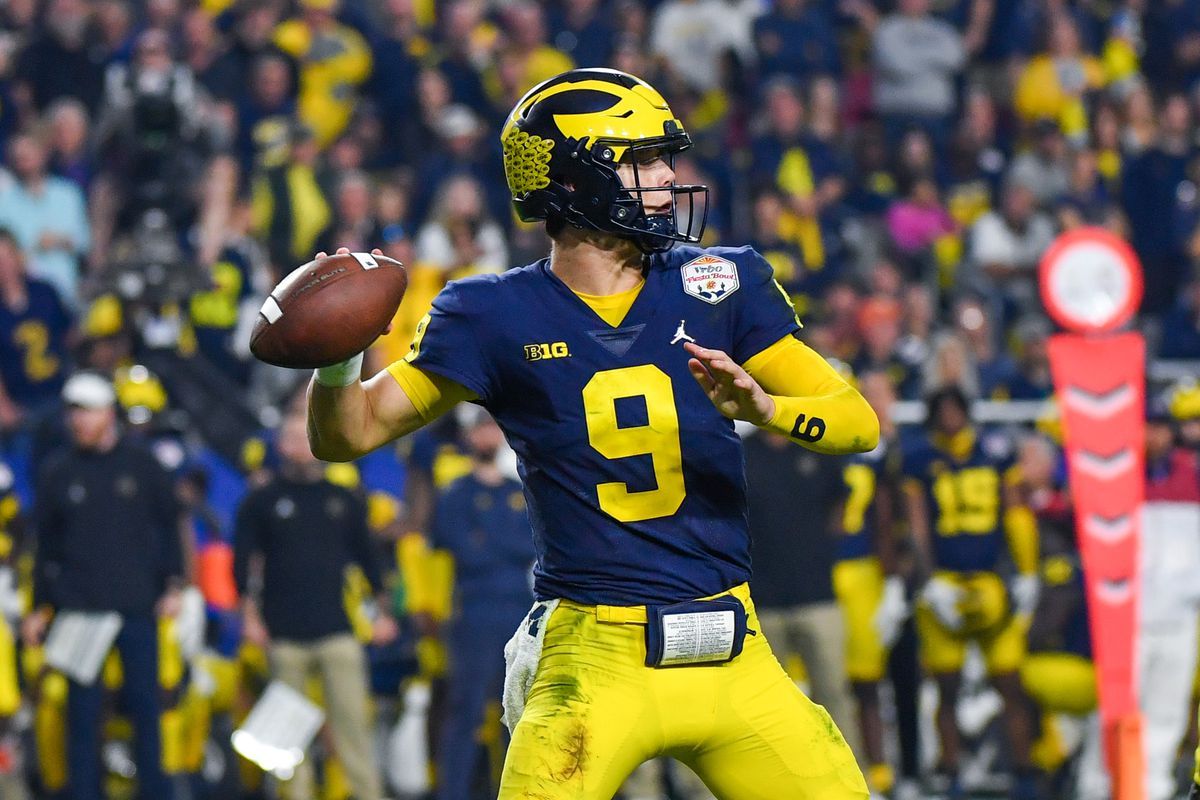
658,438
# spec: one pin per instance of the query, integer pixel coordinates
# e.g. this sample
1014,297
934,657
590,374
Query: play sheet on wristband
697,638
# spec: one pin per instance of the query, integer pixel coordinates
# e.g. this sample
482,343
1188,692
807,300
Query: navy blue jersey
486,529
33,346
635,483
966,500
863,473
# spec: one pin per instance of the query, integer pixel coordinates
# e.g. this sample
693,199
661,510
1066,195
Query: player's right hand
728,386
944,598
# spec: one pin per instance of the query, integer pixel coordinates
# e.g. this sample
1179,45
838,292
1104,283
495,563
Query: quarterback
615,368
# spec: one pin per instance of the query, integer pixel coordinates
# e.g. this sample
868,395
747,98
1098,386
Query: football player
865,579
615,368
961,508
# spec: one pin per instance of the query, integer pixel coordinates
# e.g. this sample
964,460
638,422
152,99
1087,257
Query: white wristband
340,374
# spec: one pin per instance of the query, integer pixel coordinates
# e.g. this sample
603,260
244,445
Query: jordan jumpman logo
681,335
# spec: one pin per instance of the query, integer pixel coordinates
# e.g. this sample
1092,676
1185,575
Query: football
328,310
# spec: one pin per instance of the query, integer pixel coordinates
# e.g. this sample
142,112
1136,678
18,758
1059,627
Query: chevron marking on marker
1100,405
1102,467
1109,530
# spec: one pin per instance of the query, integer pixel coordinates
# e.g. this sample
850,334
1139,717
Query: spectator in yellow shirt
334,61
524,26
1053,84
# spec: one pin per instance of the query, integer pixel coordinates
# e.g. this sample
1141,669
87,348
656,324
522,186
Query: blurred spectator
879,326
920,318
1045,167
1087,199
917,58
113,24
949,365
997,370
34,332
533,59
203,51
302,532
18,18
459,237
796,37
334,62
1033,380
918,220
1141,122
70,152
462,149
354,225
692,39
978,159
395,54
58,62
47,216
481,521
1181,325
1149,187
253,25
218,313
466,45
583,31
266,108
1005,248
290,210
109,540
1053,85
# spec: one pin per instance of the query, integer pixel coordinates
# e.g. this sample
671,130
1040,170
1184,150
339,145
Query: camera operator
156,134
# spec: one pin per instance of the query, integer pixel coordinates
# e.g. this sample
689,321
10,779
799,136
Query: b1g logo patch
710,278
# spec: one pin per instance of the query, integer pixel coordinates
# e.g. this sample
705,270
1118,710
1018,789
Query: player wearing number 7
632,470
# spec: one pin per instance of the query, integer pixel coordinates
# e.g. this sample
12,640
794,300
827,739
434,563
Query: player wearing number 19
962,475
615,368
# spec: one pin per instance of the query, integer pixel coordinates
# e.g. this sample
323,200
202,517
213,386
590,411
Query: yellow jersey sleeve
431,394
814,406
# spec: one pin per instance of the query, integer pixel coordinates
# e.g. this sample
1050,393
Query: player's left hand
728,386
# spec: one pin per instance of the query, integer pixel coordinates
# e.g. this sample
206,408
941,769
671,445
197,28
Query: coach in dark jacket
108,539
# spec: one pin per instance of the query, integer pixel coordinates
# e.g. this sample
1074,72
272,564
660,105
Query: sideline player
869,588
960,475
632,470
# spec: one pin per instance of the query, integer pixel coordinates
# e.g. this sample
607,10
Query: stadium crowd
902,166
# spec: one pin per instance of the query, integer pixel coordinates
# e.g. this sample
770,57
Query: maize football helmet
564,141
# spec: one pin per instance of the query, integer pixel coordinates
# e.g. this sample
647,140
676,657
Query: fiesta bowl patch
710,278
